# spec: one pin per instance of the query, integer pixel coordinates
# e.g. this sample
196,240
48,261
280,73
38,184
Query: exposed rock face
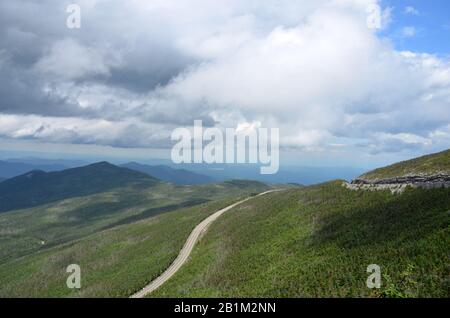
411,179
399,184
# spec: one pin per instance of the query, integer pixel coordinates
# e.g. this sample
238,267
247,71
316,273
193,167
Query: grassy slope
427,165
318,241
121,238
114,263
22,232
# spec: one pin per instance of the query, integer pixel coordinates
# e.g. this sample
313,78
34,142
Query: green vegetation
24,232
426,165
114,263
122,239
318,241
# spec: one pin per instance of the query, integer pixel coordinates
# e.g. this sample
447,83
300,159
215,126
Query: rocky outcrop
399,184
409,179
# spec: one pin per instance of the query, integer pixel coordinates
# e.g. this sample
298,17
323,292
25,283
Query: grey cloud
28,29
21,93
171,62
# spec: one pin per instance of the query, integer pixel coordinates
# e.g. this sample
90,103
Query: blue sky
430,20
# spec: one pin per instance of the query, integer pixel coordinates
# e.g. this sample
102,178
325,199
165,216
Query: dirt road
187,249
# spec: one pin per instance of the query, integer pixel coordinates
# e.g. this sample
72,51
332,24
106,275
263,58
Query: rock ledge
399,184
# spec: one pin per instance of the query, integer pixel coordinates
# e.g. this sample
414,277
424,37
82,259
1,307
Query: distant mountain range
9,169
191,173
287,174
16,167
165,173
39,187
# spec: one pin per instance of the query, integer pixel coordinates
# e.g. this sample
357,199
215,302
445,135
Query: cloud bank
138,69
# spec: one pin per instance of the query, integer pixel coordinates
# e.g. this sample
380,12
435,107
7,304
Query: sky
340,91
420,26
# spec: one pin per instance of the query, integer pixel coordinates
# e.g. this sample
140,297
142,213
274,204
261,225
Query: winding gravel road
187,249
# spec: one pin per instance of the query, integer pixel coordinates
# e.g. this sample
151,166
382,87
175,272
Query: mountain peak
38,187
101,164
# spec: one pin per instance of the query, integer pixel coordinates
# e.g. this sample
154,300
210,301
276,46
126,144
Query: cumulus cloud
137,69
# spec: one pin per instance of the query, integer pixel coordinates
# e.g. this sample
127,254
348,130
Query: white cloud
411,10
309,78
312,68
408,32
405,138
126,133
